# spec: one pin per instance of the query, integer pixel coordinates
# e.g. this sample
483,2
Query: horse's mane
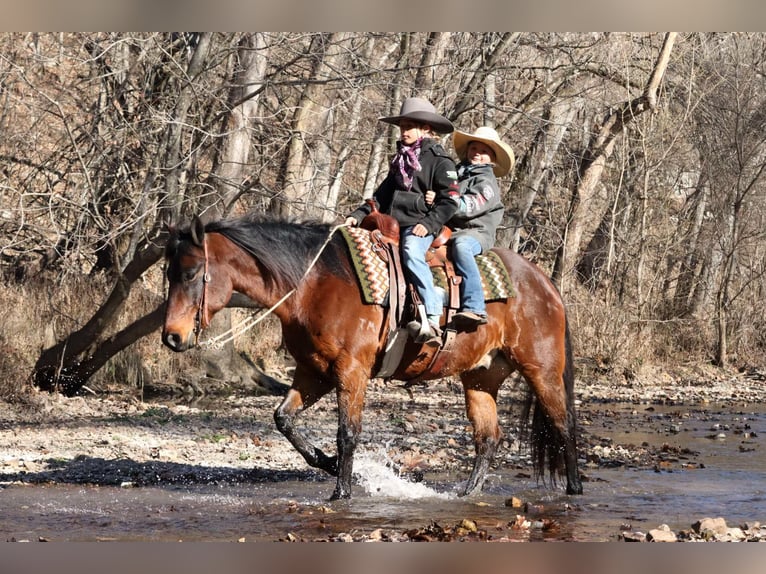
284,248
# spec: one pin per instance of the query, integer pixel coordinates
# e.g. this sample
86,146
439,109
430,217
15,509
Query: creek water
716,468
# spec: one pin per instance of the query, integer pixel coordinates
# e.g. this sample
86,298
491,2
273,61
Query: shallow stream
714,467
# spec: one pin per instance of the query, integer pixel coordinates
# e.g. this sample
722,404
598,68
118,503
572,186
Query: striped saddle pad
372,271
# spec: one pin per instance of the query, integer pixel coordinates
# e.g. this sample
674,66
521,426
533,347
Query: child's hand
430,196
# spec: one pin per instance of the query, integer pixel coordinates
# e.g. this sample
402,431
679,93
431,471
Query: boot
469,320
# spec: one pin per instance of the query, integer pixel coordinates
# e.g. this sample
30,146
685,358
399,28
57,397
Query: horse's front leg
305,391
351,392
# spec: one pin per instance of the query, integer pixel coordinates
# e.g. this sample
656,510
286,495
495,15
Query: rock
710,527
735,535
376,535
661,534
469,525
634,536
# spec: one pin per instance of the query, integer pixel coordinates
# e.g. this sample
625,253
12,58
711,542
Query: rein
219,341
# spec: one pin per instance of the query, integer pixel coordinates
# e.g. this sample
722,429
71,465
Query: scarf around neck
406,162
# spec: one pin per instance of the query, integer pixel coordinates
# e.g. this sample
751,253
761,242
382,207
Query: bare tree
584,210
108,135
306,168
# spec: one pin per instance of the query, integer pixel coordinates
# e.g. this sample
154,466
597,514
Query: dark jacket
481,209
437,172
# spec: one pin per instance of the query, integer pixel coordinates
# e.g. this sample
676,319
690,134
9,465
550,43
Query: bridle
200,317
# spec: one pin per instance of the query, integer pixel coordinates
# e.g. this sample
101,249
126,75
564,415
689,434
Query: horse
303,273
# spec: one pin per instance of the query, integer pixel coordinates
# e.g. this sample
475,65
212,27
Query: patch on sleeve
452,174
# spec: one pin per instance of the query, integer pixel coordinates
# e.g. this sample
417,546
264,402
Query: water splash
374,471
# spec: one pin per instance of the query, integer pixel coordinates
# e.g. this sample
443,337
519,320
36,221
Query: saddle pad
372,271
494,277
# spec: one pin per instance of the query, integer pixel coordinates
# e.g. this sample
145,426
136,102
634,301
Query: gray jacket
481,209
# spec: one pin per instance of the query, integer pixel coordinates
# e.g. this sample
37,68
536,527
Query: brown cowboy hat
504,158
423,111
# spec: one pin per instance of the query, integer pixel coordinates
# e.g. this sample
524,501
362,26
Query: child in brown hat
420,164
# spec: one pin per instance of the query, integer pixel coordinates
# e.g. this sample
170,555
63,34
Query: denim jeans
414,250
464,250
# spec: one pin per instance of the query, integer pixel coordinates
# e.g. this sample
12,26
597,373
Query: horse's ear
197,231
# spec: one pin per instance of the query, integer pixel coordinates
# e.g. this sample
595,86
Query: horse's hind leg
481,387
553,424
304,392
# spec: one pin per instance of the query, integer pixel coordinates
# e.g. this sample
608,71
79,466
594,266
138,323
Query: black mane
284,248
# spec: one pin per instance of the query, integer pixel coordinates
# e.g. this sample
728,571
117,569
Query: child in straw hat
483,158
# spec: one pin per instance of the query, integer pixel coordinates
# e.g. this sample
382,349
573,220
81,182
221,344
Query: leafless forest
640,182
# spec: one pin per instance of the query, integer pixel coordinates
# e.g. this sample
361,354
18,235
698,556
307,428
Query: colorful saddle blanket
372,271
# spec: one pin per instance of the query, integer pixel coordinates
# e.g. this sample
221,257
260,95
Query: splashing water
375,472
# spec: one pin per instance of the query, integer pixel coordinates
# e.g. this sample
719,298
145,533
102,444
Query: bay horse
304,271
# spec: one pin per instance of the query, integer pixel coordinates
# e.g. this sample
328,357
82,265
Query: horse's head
193,296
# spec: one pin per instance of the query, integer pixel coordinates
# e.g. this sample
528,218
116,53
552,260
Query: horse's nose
174,341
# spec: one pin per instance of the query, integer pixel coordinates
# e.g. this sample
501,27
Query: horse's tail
548,441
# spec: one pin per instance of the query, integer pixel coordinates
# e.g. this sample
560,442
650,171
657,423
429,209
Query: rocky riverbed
121,440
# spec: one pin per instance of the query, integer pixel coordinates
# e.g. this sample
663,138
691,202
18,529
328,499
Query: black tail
547,442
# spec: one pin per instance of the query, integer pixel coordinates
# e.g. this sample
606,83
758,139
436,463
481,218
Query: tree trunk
385,139
302,174
484,66
534,172
229,174
173,166
232,163
433,53
67,365
686,297
586,206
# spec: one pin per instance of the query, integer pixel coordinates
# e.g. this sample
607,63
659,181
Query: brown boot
469,320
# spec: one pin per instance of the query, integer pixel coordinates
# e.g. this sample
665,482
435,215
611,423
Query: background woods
639,184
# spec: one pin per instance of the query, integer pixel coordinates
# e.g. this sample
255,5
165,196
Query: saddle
384,234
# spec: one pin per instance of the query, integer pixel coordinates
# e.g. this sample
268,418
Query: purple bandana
406,163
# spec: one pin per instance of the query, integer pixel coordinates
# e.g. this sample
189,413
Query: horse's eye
189,275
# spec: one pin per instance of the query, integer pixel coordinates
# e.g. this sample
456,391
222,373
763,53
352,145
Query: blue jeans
464,250
414,250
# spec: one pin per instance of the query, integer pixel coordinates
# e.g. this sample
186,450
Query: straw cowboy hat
423,111
504,158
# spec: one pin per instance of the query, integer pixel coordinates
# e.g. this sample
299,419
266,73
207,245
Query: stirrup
434,337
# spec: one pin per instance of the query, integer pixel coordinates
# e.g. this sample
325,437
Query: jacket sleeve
382,197
444,184
360,212
478,196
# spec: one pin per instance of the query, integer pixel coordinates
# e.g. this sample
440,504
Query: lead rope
219,341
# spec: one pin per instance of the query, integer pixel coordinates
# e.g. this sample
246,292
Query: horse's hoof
329,464
577,489
340,495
